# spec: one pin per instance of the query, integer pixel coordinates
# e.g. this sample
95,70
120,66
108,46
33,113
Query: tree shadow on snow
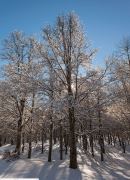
59,170
109,169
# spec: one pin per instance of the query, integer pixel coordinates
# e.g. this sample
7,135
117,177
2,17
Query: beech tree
66,47
19,51
120,74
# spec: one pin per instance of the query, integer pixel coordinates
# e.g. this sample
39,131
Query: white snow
6,147
115,167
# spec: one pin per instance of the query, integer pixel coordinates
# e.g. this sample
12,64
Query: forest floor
116,165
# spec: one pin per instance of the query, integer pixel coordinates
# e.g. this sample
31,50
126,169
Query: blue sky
106,21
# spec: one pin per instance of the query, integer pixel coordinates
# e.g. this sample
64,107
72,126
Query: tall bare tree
65,46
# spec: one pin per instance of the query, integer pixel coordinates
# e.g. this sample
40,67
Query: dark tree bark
119,140
42,138
0,140
85,142
54,136
11,141
5,139
108,138
73,152
61,143
19,128
91,135
30,146
31,127
23,142
19,135
91,144
101,139
66,139
50,142
123,145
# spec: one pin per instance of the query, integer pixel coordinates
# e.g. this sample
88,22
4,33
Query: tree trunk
119,140
91,144
19,129
18,140
61,143
31,126
114,140
42,138
91,135
50,142
11,141
23,140
123,146
85,142
101,139
102,151
5,140
30,145
66,142
54,136
73,152
108,138
0,140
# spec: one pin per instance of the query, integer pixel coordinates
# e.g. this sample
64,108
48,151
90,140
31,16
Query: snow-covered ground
115,167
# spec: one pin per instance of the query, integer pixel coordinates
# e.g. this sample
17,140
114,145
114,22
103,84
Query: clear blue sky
106,21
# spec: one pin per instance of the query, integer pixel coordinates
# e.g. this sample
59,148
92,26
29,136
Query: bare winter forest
61,118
